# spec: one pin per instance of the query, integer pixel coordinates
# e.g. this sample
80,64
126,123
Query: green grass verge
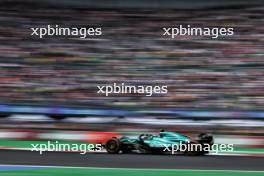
123,172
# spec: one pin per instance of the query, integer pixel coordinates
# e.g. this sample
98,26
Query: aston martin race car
163,143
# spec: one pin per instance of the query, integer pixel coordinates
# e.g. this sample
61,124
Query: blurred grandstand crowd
200,72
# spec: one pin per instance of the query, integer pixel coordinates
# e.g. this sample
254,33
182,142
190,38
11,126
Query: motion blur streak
200,72
48,86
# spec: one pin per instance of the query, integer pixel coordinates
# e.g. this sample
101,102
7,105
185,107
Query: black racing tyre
206,138
191,150
113,146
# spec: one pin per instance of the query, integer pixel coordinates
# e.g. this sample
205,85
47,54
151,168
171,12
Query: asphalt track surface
132,160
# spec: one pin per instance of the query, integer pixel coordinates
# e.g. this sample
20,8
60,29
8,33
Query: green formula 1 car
164,143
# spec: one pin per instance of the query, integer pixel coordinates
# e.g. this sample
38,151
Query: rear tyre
113,146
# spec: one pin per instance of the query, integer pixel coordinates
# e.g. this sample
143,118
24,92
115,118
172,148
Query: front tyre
113,146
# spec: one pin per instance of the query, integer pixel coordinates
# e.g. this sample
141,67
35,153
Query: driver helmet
161,132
